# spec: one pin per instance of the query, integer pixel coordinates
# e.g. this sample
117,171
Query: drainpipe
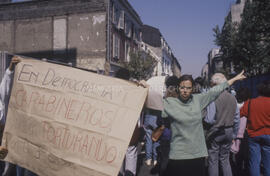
108,32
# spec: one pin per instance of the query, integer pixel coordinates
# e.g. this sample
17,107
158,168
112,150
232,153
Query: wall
87,33
32,35
205,70
63,30
176,68
236,11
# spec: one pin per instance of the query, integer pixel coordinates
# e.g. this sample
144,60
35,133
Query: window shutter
121,22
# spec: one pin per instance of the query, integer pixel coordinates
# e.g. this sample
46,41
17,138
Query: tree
247,45
226,39
141,65
254,36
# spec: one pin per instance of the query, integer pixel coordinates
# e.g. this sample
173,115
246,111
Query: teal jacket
188,141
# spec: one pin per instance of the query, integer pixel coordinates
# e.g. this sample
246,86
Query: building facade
155,44
94,34
205,71
3,64
126,30
213,65
176,67
237,10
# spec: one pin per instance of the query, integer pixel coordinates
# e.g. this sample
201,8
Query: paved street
143,169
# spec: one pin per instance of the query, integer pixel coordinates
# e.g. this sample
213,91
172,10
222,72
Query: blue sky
186,25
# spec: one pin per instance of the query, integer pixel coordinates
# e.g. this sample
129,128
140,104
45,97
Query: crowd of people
209,132
196,131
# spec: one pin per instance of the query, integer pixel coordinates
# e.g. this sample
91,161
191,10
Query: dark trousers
239,161
188,167
2,167
163,156
11,169
219,153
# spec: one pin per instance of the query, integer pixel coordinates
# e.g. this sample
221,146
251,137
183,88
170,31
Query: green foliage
226,38
141,65
254,34
247,44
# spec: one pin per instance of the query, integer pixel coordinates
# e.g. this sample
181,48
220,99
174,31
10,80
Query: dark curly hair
243,94
172,81
186,78
264,88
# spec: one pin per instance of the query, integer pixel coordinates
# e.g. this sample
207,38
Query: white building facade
155,44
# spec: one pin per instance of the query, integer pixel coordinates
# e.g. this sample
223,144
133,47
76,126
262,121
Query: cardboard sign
65,121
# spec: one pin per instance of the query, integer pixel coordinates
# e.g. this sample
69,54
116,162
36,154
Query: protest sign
70,122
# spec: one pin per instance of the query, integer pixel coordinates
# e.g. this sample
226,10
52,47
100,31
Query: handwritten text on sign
79,122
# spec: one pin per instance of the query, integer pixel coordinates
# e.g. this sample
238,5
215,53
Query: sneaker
148,162
155,162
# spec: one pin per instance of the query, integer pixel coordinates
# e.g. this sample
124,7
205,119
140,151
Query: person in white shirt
5,88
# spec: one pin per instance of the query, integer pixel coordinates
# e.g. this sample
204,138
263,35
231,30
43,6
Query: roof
151,36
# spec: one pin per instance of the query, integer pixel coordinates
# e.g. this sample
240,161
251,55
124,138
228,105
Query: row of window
116,49
166,66
165,45
122,21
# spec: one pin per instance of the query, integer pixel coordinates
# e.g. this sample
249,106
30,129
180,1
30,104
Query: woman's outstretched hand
240,76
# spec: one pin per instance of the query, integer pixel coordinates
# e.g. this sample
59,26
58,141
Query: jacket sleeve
236,122
5,85
209,96
242,127
165,120
164,114
4,93
244,109
210,117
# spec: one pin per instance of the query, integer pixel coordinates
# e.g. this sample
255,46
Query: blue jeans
150,123
259,150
